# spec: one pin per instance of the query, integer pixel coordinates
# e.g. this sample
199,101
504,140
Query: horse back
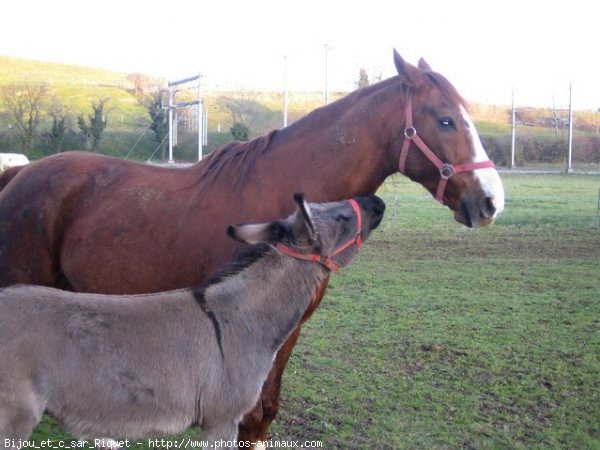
8,175
39,202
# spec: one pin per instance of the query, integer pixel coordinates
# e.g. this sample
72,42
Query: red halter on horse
447,170
91,223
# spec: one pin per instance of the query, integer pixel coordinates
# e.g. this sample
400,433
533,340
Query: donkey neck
258,307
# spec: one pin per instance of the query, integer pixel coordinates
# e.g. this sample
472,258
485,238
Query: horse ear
408,73
424,66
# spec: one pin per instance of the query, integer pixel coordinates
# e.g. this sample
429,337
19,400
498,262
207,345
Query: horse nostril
488,208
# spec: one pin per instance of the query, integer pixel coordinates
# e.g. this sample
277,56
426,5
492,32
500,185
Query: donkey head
319,231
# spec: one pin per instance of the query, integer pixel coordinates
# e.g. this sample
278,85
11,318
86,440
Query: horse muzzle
478,212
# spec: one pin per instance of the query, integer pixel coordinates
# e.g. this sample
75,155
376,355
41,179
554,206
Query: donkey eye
447,123
342,218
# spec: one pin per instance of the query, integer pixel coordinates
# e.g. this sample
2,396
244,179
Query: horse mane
237,154
242,156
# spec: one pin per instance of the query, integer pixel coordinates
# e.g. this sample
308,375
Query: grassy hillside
16,69
75,88
127,130
126,133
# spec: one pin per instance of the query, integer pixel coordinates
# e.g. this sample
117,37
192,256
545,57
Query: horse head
439,147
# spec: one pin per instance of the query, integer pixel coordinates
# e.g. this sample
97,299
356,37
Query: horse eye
447,123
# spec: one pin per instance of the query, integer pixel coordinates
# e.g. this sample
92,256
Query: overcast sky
485,48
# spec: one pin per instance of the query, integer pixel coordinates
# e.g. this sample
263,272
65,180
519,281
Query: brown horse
91,223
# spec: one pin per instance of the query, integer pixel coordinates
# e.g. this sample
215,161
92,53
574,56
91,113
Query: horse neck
338,151
346,146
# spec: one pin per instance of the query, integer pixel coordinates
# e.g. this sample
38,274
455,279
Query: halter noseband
327,260
447,170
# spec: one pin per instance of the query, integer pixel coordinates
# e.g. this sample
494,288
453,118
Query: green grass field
444,337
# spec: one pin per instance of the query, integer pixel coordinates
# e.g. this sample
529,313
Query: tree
159,122
58,131
249,112
141,84
93,130
240,131
25,104
363,78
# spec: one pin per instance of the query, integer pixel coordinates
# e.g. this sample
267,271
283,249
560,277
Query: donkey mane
242,261
253,254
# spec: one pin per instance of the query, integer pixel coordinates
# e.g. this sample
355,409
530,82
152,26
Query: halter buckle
446,171
410,132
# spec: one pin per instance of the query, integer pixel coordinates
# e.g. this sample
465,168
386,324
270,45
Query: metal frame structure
569,167
174,87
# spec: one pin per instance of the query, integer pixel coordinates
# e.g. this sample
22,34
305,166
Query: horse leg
220,435
255,424
25,265
32,228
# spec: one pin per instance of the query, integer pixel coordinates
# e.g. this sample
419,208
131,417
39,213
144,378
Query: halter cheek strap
447,170
327,260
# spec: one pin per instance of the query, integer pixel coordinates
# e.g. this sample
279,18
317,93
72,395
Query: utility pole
171,107
570,150
285,93
514,132
201,136
326,74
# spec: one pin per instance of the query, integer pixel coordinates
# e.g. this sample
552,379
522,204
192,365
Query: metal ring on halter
446,171
410,132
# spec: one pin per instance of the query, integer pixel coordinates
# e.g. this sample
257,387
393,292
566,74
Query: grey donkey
137,366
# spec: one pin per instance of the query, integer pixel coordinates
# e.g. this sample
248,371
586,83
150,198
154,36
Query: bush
240,132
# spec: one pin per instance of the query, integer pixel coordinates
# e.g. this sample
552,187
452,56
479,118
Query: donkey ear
424,66
250,233
408,73
304,212
302,221
257,233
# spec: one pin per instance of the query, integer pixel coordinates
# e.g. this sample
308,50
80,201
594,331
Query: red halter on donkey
97,224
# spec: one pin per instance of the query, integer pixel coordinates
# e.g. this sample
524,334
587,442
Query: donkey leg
255,425
17,421
220,435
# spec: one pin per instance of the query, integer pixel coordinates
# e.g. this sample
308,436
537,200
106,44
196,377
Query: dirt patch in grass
544,245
